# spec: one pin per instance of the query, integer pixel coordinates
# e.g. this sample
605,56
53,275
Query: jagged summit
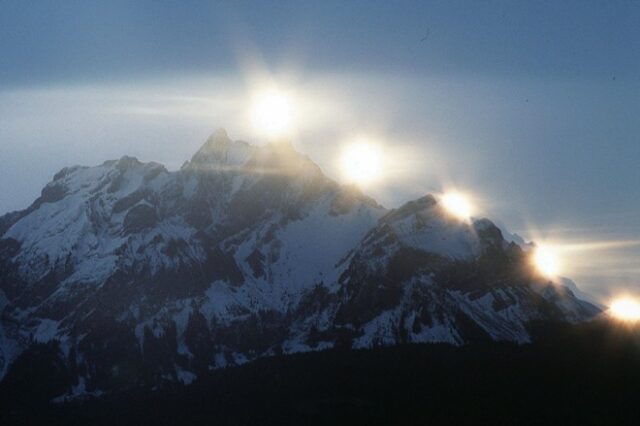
146,275
220,150
221,154
219,135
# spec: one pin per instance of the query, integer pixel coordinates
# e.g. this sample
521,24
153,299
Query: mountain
126,274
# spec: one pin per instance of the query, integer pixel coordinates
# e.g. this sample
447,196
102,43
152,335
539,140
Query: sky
531,107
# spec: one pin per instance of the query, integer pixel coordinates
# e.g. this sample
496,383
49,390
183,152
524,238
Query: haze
531,107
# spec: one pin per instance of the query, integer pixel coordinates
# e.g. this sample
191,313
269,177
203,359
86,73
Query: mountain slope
145,275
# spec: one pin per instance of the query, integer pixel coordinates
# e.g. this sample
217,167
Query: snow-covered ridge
244,252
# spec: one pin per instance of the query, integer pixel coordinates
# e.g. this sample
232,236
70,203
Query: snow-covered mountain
145,275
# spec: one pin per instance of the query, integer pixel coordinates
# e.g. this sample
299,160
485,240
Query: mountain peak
221,153
219,135
220,149
127,162
217,141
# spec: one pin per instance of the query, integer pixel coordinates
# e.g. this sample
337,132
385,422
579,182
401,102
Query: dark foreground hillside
581,375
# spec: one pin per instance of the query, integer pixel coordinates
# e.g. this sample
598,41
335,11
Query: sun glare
361,162
271,114
625,309
546,260
457,205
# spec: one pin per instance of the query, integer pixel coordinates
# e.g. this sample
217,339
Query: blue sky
533,106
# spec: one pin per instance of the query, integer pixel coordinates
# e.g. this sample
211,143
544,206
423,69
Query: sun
361,162
271,113
625,309
546,260
457,204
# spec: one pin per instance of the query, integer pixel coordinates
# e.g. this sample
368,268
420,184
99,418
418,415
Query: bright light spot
625,309
457,205
546,260
361,162
271,114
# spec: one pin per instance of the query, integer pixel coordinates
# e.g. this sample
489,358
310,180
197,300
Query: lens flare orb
271,114
458,205
547,261
625,309
361,162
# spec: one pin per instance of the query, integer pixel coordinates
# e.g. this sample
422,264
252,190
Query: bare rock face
129,274
140,217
